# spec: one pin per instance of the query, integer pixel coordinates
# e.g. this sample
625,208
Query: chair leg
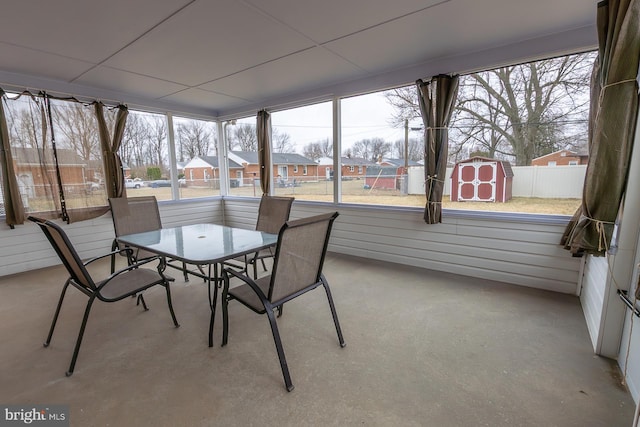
279,349
333,311
80,336
55,316
213,300
139,300
170,304
225,310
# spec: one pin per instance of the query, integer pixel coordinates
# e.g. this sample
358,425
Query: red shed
480,179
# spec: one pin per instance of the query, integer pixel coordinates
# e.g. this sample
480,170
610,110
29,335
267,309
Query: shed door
477,181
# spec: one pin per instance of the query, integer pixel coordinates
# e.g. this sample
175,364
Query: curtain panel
263,125
436,99
13,205
110,144
613,115
52,157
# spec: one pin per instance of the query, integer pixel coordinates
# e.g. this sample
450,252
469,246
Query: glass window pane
144,152
375,136
244,174
303,152
197,158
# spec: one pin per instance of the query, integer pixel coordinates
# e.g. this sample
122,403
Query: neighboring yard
352,192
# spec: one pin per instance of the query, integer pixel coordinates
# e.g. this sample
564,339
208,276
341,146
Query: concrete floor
423,349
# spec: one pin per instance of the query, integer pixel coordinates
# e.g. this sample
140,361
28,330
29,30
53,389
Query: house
204,171
351,167
288,168
31,178
561,158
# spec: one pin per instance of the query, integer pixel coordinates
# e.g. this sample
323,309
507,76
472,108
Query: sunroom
336,80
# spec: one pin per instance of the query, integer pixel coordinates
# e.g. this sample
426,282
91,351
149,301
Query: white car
133,183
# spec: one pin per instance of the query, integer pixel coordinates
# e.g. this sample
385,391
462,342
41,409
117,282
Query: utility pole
406,145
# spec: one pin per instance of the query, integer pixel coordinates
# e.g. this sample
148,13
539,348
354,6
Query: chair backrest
135,214
300,251
67,253
273,213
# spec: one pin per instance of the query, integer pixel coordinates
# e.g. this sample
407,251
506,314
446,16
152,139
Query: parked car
133,183
160,183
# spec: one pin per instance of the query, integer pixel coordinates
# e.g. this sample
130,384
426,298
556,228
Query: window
145,154
378,128
302,138
196,157
244,173
78,172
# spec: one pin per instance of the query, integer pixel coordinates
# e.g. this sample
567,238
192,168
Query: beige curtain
263,126
13,205
436,99
614,110
114,176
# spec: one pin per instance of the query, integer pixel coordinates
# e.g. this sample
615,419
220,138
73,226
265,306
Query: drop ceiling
229,57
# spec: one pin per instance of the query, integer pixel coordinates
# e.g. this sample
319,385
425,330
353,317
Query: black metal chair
273,212
123,283
297,269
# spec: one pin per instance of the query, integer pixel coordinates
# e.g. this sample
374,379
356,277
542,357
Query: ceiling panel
327,20
205,99
453,29
121,81
301,72
206,41
36,63
90,30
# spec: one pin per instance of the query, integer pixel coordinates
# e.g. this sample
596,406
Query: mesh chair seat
124,285
248,296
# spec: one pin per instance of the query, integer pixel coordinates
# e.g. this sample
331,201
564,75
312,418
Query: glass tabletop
201,243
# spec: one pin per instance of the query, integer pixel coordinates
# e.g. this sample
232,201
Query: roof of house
251,157
568,152
400,162
33,155
213,162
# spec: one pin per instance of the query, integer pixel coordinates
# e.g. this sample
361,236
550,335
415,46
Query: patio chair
123,283
273,212
136,215
297,269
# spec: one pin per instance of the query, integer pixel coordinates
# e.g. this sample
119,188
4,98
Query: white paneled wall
25,247
596,274
517,252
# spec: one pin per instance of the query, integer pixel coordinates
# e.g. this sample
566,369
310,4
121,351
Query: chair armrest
129,252
246,279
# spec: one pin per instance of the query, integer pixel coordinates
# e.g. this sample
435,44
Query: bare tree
195,138
416,149
281,142
244,137
518,112
135,141
75,128
371,149
318,149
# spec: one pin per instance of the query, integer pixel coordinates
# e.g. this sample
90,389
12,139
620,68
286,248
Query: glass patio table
200,245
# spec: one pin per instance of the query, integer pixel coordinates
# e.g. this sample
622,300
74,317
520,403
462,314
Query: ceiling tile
28,61
303,71
89,30
207,41
122,81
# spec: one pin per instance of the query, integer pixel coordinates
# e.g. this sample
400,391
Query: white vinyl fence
561,182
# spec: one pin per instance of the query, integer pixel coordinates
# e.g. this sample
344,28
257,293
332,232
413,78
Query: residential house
350,167
204,171
31,177
561,158
288,168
